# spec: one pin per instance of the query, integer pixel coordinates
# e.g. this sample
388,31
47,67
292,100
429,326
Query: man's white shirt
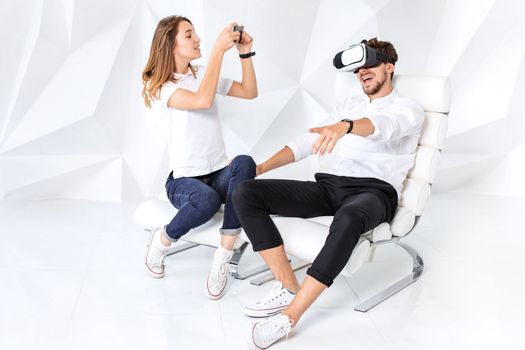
387,154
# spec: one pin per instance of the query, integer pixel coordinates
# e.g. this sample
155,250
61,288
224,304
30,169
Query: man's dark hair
385,48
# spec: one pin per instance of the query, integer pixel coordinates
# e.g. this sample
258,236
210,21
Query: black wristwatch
351,122
247,55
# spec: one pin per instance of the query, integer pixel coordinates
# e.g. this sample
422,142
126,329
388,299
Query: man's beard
374,89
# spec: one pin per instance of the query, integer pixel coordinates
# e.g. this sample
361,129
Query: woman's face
187,42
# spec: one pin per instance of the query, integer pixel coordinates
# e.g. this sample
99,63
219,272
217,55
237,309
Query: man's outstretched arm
329,134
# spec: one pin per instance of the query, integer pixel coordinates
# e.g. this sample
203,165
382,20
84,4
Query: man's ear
390,68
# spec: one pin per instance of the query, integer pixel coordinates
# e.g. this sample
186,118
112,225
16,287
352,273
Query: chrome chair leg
296,264
235,262
417,270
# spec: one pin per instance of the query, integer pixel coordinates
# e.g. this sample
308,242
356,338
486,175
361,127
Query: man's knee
243,191
348,225
244,194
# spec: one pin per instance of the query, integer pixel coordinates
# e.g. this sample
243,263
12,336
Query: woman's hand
245,45
226,39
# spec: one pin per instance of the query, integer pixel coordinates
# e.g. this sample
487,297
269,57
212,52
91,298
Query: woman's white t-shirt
195,143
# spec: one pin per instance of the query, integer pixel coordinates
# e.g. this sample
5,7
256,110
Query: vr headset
358,56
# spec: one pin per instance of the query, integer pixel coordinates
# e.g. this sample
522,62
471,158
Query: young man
377,133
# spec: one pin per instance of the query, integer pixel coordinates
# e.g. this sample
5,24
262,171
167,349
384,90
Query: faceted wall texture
73,125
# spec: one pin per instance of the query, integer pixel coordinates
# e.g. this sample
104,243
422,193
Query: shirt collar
384,99
182,77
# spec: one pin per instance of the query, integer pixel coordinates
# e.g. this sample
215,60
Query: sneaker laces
271,329
275,292
219,270
156,257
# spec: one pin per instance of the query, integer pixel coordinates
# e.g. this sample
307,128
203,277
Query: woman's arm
203,98
246,89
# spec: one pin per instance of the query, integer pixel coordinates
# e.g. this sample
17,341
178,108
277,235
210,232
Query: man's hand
283,157
258,170
328,136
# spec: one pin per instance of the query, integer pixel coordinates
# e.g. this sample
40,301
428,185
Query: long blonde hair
161,63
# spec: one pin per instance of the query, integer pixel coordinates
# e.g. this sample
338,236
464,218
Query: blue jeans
199,198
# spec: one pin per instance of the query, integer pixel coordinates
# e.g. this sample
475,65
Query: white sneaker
276,301
219,276
270,330
155,254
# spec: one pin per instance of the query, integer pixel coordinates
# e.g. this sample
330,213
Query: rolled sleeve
302,146
401,122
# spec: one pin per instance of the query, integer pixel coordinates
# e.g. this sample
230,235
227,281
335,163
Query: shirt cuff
295,149
377,133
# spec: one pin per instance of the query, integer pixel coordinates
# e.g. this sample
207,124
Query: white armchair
304,238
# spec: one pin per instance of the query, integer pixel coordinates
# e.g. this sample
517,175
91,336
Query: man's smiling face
372,79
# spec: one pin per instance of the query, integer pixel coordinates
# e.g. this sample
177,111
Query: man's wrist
349,125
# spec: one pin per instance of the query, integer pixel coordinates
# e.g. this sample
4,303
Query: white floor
72,277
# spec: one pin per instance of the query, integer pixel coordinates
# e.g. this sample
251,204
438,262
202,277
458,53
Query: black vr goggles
358,56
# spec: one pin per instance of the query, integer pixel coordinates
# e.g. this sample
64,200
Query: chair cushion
381,233
431,93
414,195
302,238
359,256
434,130
403,222
426,164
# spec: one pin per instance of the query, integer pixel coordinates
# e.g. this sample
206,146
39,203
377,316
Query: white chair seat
295,231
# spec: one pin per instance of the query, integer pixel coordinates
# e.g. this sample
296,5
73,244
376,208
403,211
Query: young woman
201,178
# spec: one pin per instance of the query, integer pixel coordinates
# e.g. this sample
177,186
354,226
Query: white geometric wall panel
73,125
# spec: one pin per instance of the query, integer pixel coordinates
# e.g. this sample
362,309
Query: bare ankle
292,287
165,242
291,317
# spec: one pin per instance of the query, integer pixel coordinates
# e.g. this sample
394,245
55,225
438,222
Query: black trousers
357,204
